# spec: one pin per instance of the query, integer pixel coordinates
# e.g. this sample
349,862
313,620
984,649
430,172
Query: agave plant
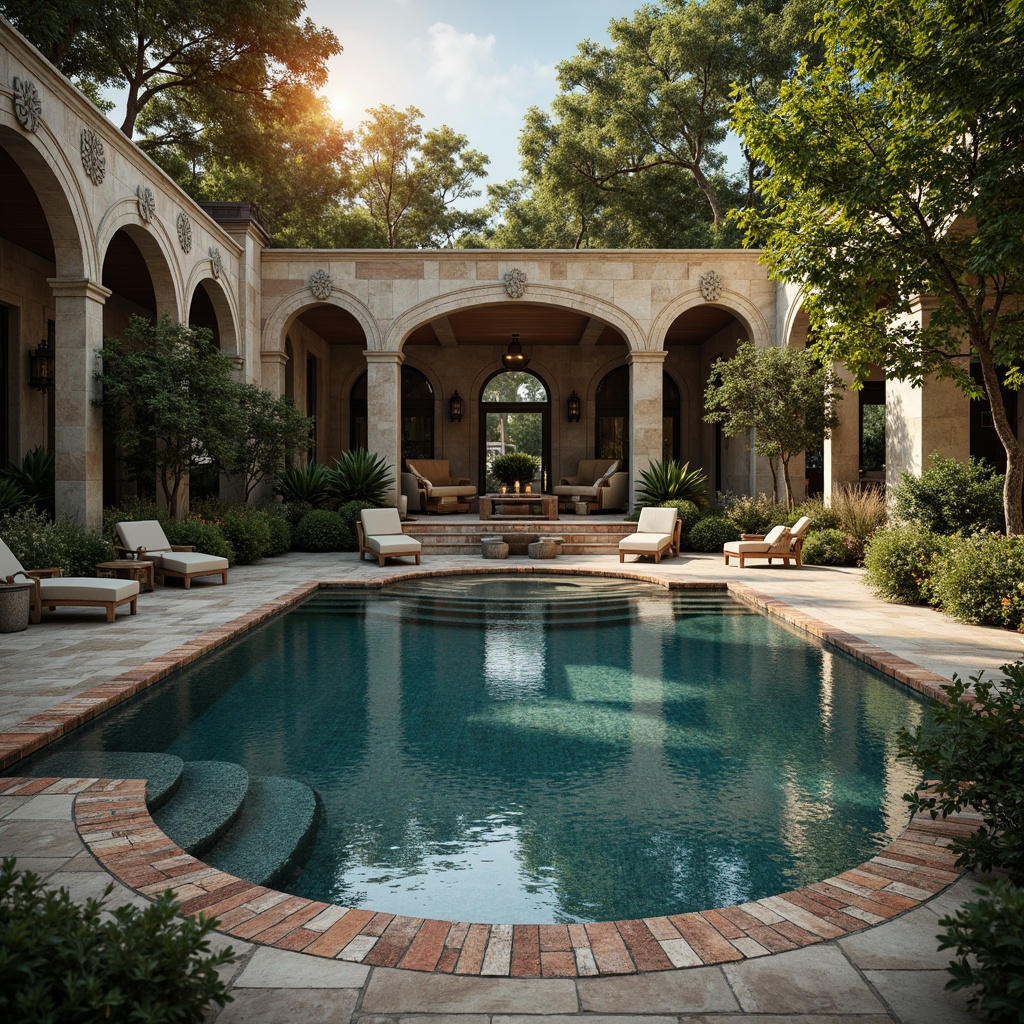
35,477
668,481
309,484
515,466
359,476
12,497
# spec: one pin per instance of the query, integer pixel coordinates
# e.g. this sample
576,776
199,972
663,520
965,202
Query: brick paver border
113,821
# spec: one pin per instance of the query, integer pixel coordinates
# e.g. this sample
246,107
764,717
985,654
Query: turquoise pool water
546,750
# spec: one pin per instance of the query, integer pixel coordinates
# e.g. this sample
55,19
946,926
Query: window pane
514,386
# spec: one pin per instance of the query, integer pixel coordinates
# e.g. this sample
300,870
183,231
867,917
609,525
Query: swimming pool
547,750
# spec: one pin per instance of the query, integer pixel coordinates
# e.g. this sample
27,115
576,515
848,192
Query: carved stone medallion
515,283
28,107
94,158
147,202
320,284
710,286
184,232
216,262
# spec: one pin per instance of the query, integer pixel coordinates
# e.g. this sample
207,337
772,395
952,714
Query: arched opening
201,313
417,414
611,417
515,416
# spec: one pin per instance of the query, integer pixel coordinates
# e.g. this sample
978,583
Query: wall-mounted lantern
42,373
455,407
573,407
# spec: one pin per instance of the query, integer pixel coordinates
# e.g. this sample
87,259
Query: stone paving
887,972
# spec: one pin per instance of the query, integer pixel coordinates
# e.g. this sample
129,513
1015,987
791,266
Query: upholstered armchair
598,483
437,490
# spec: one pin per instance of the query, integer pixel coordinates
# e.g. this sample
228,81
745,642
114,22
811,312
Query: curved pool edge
113,821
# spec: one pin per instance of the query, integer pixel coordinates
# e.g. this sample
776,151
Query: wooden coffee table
127,569
518,506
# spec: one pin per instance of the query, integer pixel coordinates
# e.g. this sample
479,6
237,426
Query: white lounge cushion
771,540
81,588
380,521
657,520
144,533
645,543
191,562
391,544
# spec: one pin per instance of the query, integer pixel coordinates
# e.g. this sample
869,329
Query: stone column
646,427
384,413
79,422
841,463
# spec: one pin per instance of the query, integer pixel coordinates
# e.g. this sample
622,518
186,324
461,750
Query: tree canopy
784,395
896,195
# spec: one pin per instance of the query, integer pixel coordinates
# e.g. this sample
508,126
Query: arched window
612,413
515,416
417,415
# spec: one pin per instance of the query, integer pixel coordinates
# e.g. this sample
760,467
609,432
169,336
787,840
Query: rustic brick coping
113,821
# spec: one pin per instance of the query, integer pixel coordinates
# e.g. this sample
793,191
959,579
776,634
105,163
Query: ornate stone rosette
147,202
710,286
28,107
216,261
184,232
320,284
94,158
515,283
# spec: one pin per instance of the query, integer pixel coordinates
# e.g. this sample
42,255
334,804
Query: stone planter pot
14,607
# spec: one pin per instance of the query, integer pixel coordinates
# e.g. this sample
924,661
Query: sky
474,65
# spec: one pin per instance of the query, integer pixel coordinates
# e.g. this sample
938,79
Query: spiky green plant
513,466
668,481
309,484
12,497
359,475
35,476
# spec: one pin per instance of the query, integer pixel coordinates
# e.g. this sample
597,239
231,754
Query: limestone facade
92,231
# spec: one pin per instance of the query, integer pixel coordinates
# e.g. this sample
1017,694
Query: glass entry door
515,416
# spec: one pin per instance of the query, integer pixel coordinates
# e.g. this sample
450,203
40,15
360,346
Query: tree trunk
785,476
1007,434
775,480
709,194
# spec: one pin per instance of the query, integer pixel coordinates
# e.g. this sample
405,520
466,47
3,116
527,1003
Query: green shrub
39,543
828,547
822,516
321,530
359,476
860,512
202,535
981,579
687,511
988,935
349,513
755,514
295,510
36,477
668,481
306,484
513,467
280,530
12,497
898,562
247,531
712,532
950,497
973,749
69,963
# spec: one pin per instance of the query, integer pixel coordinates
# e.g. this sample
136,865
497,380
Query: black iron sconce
573,407
514,359
42,372
455,407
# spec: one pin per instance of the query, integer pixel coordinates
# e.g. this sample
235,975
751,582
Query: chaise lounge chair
657,533
781,542
380,534
51,590
145,539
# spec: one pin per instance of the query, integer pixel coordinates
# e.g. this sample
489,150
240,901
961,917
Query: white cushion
656,520
390,544
146,533
9,565
82,588
191,562
378,522
461,491
773,536
646,543
747,547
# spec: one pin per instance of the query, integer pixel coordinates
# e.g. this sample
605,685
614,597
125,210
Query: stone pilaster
79,423
841,463
383,411
646,413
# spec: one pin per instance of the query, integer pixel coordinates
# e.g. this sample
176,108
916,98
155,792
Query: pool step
163,772
272,835
206,804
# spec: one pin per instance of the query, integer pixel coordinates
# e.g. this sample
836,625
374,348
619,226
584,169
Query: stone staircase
461,534
260,828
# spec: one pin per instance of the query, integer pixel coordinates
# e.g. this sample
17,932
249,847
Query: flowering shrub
39,543
898,563
981,579
755,514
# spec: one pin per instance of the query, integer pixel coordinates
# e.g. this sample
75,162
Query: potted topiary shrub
515,470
